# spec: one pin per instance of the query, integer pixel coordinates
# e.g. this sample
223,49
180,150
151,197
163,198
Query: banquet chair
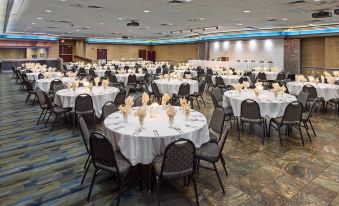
250,113
312,95
209,71
244,79
187,73
42,103
178,161
83,105
108,108
261,77
184,90
120,98
56,110
85,134
219,82
156,92
108,73
104,158
158,71
82,72
17,77
114,81
280,77
54,82
303,99
292,118
138,102
306,119
199,95
209,82
30,91
218,103
13,72
334,102
57,88
216,124
212,152
91,72
217,94
41,76
132,81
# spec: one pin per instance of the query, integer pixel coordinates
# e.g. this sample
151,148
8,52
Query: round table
100,73
172,86
230,79
124,77
34,76
269,75
152,70
66,98
326,91
45,84
269,105
155,136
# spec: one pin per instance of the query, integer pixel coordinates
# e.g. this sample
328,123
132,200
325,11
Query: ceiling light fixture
39,18
48,11
202,18
33,23
119,18
146,11
240,24
247,11
284,19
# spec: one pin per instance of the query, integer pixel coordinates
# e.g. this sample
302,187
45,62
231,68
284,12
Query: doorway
102,56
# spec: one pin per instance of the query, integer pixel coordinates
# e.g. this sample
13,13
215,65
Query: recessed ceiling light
48,11
77,30
33,23
284,19
188,0
101,23
88,27
63,0
202,18
39,18
171,24
247,11
239,24
146,11
130,30
119,18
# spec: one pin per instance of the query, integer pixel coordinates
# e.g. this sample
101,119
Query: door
142,54
151,56
66,53
102,56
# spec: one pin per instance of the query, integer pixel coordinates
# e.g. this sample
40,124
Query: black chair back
109,108
293,113
184,89
250,110
120,98
311,90
83,104
281,76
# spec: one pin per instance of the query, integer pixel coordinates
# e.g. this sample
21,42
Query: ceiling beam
8,14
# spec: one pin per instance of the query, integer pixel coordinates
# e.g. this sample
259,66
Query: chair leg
308,134
263,133
301,135
91,187
122,182
43,111
27,98
223,164
195,190
83,178
48,119
74,116
238,129
88,157
55,119
309,121
198,102
216,171
158,190
280,136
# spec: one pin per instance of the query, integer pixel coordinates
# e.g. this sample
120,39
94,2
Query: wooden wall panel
12,53
115,52
176,52
313,52
332,52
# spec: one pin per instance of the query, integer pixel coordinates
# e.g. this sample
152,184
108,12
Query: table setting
171,85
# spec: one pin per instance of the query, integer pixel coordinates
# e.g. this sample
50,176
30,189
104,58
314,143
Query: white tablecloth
269,75
152,70
326,91
269,105
34,76
124,77
66,98
100,73
45,84
231,79
172,86
142,148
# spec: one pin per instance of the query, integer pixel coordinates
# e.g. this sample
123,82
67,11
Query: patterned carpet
39,167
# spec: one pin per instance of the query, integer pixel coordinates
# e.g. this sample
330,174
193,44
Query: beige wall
12,53
313,52
53,50
332,52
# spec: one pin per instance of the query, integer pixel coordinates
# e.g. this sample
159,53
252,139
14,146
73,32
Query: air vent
124,37
271,19
297,2
94,7
175,2
133,23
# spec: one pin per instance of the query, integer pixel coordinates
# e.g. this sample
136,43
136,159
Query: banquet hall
169,102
